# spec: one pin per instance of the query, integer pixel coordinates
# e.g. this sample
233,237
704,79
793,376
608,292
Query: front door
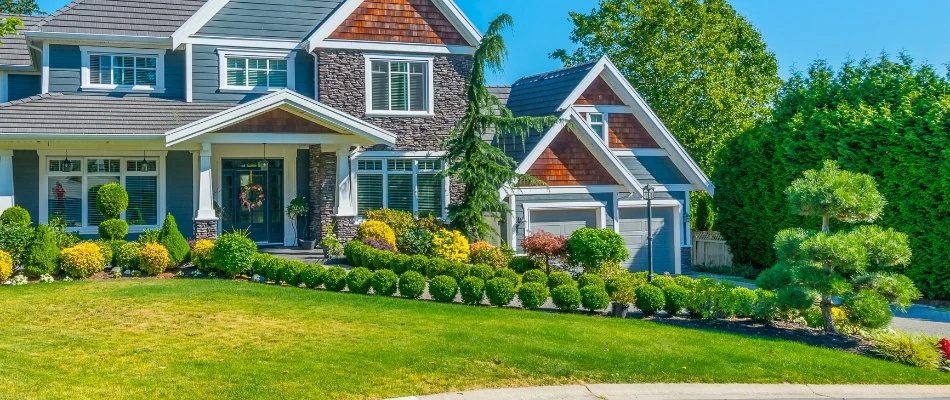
252,198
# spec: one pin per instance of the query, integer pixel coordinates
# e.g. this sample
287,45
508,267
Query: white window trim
598,207
223,55
430,85
86,84
385,172
605,123
124,156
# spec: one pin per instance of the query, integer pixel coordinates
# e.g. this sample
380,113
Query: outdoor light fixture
649,192
143,165
264,168
67,165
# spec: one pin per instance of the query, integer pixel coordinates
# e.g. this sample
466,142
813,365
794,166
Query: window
399,87
598,122
119,69
72,188
259,73
400,184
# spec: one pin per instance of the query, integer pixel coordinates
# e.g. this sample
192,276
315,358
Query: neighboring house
348,101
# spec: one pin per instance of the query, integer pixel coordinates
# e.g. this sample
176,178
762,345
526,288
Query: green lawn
226,339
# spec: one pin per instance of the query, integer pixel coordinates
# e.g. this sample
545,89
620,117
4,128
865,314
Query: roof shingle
156,18
542,94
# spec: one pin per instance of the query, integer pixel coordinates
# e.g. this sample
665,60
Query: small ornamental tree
595,249
546,247
818,266
174,241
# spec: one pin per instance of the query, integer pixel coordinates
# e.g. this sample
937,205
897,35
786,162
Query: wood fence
710,248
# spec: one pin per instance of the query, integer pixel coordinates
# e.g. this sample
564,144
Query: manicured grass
227,339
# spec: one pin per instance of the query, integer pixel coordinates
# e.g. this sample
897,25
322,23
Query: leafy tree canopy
20,7
8,25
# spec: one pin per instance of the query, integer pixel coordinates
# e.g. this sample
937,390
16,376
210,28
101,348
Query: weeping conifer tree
482,167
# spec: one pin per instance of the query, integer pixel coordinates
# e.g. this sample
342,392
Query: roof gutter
80,136
95,37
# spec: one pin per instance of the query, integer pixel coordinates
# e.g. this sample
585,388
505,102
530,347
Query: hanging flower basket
252,196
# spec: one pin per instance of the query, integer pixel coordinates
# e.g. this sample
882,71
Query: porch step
296,254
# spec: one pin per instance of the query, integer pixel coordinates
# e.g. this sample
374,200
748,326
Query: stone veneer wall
206,229
322,186
686,259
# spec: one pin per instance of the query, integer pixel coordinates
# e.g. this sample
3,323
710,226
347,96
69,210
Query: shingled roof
63,114
13,51
542,94
156,18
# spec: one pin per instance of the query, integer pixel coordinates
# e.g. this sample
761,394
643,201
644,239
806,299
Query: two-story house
196,106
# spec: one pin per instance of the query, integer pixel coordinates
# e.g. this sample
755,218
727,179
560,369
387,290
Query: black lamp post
648,194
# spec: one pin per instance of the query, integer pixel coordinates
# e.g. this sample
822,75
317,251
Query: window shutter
400,192
95,69
369,192
430,194
143,200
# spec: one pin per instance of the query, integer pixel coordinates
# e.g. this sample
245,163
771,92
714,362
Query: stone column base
345,228
686,259
206,229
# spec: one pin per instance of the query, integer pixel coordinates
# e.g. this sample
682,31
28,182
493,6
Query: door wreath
252,196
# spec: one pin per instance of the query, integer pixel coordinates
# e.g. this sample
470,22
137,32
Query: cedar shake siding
402,21
599,93
626,132
277,121
568,162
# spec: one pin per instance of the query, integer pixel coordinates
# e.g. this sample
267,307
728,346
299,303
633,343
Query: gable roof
14,51
152,18
542,94
279,20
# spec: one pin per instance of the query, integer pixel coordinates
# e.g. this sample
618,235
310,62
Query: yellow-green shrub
82,260
376,230
6,265
450,245
203,255
154,258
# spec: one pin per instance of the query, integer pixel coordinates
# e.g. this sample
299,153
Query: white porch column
205,187
6,179
344,184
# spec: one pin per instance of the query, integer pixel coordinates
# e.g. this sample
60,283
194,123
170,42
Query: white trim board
196,21
598,207
223,54
391,58
88,51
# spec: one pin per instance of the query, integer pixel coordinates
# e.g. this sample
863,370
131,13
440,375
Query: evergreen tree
478,165
173,240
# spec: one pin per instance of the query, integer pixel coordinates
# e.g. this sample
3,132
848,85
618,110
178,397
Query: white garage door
562,222
633,228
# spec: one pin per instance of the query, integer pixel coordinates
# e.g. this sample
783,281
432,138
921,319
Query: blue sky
798,31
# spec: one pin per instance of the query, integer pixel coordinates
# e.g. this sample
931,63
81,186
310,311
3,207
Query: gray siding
633,229
206,83
179,190
26,180
271,19
66,73
604,198
23,86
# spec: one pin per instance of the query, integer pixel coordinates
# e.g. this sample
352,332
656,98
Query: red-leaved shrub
545,246
945,348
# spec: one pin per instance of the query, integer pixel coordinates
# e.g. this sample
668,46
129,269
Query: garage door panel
633,229
562,222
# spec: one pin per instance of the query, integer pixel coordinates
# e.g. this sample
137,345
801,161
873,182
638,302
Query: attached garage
561,221
633,228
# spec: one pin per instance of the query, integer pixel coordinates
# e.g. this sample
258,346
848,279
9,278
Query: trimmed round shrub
106,250
458,270
264,265
482,271
234,253
742,302
202,256
676,297
473,290
450,245
16,215
6,265
685,282
415,242
82,260
418,264
508,274
650,299
411,285
352,251
616,281
113,229
594,297
173,240
14,238
41,256
359,280
443,288
590,280
384,282
592,248
436,267
523,264
154,259
533,295
377,230
867,309
500,291
535,276
400,263
289,272
663,281
559,278
334,279
111,200
566,297
378,260
312,275
129,256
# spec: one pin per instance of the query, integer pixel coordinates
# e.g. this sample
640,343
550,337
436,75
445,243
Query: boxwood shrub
419,264
500,291
384,282
41,256
290,271
566,297
359,280
334,279
662,281
261,264
523,264
473,290
16,215
233,253
508,274
312,275
436,267
650,299
742,302
590,280
111,200
443,288
352,252
411,285
559,278
482,271
400,263
535,276
113,229
533,294
685,281
676,298
594,297
458,270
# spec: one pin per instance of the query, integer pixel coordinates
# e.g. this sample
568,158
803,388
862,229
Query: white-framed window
399,86
598,122
72,185
404,184
120,69
255,71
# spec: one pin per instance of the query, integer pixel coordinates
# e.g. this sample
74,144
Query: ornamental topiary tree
818,266
596,249
16,215
173,240
111,200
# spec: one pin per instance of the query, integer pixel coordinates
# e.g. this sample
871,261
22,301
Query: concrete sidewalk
700,392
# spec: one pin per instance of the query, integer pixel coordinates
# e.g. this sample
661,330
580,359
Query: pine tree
482,167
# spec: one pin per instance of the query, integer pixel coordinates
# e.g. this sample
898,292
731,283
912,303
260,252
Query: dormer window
399,86
598,122
116,69
244,71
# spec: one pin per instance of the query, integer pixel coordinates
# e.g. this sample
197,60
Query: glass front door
252,198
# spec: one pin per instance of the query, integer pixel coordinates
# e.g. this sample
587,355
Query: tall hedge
885,117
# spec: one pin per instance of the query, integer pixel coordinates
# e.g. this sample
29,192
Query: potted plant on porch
297,209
